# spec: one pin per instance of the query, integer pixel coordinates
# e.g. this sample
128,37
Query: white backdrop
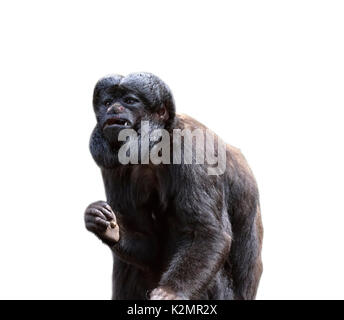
267,76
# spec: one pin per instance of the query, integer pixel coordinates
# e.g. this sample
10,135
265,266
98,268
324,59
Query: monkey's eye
107,103
129,100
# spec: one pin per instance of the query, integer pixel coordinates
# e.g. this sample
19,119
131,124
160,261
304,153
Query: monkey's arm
197,260
132,248
203,243
246,254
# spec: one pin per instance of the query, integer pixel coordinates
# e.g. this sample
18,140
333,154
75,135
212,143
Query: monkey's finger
99,222
103,204
92,227
102,223
107,213
107,206
95,212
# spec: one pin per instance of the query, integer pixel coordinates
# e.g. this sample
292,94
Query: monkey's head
123,102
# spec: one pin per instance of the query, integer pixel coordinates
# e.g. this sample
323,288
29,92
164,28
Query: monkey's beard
104,149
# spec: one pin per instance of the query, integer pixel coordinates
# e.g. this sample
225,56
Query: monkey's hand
165,294
101,220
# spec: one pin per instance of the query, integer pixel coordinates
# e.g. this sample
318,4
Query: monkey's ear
163,113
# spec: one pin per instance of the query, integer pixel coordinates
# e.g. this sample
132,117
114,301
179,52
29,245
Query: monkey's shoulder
184,121
234,154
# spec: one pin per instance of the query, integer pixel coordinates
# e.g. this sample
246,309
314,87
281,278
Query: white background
267,76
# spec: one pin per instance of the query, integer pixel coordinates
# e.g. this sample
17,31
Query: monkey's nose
115,108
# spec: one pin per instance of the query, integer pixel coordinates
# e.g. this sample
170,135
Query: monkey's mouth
116,122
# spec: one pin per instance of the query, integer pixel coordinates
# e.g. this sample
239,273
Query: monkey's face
119,109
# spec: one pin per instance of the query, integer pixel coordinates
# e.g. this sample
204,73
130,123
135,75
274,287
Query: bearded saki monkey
175,231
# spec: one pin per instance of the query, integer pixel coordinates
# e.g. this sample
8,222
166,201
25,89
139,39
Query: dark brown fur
183,232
